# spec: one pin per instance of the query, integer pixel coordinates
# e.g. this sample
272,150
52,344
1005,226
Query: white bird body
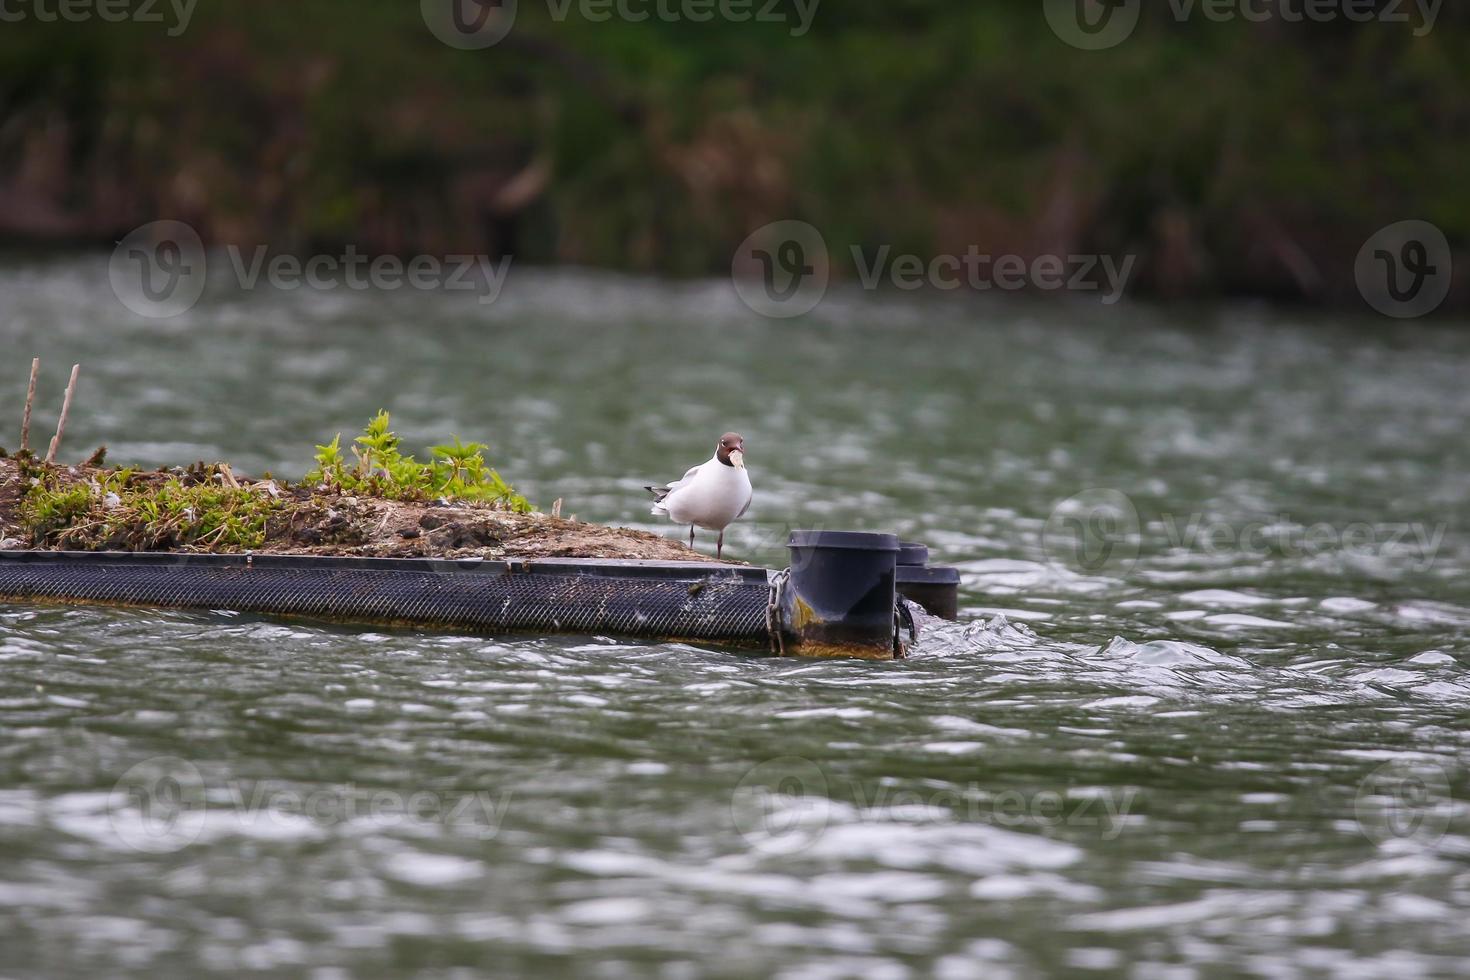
711,495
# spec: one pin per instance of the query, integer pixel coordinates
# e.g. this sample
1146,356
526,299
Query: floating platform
839,597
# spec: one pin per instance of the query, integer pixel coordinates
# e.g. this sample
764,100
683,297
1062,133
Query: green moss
205,506
48,509
117,510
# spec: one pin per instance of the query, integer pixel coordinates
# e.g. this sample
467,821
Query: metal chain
773,611
903,622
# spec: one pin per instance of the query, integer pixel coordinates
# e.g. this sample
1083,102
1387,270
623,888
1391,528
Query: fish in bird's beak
737,459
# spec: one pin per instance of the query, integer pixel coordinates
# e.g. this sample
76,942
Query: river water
1206,715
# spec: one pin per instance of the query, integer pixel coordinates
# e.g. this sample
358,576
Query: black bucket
912,553
936,589
842,592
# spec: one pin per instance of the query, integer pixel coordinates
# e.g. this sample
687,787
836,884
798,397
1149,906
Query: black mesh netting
726,609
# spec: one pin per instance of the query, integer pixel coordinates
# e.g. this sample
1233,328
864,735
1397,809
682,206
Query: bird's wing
659,493
686,478
749,497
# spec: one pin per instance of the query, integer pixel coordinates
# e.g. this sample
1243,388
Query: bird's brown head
731,451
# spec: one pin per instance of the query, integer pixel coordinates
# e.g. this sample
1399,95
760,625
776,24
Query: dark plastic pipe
936,589
841,594
912,553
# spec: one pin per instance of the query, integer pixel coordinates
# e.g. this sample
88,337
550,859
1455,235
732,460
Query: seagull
711,495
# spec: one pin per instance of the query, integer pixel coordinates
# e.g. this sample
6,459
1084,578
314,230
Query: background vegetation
1232,158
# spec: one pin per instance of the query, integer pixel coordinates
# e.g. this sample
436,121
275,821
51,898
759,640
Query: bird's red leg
720,546
691,535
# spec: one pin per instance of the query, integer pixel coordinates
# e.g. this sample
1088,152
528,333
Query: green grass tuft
457,470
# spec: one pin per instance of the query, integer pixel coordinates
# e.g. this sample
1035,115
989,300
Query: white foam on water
1252,622
1226,597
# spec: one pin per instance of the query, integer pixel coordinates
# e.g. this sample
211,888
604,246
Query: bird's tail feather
659,493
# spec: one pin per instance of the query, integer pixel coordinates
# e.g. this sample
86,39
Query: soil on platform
304,520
